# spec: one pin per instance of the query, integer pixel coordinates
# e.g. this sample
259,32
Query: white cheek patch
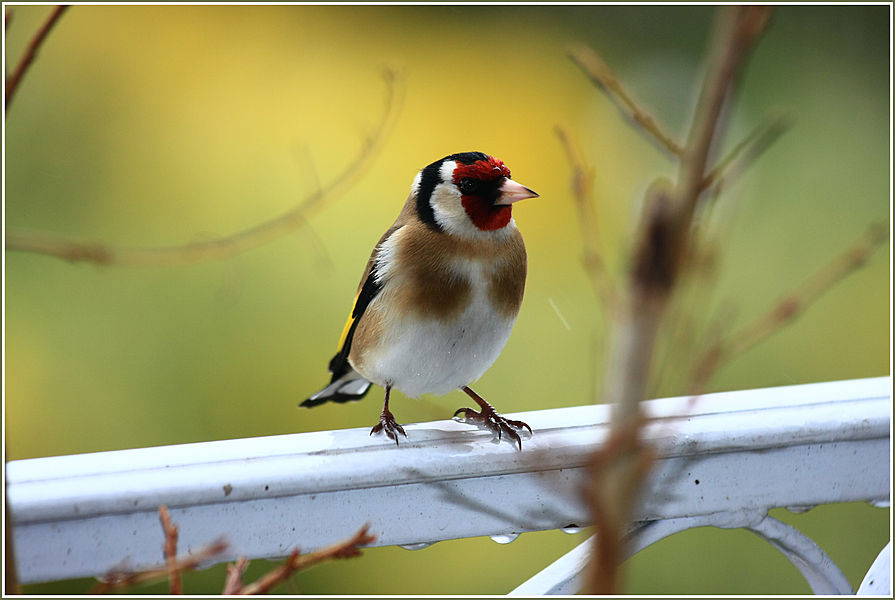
447,204
448,208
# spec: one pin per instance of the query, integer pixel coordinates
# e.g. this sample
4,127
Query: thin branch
664,232
296,561
747,151
233,583
788,308
737,30
119,579
668,212
661,244
582,188
171,550
603,574
115,580
701,257
226,247
13,81
600,74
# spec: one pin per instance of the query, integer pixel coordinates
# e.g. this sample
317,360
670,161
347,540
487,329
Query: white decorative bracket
878,581
564,575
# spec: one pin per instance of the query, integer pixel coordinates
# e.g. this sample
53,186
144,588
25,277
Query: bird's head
467,194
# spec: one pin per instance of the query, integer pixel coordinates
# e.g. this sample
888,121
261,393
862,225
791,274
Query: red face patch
487,176
485,215
483,170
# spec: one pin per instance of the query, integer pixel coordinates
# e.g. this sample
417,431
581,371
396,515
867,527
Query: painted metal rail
724,459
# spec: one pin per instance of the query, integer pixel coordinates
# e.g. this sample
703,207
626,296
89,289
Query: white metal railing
724,459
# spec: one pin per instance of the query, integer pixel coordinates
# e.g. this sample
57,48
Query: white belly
430,357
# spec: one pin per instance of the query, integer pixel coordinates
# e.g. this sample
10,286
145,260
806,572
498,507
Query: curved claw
496,423
519,425
515,436
388,424
463,410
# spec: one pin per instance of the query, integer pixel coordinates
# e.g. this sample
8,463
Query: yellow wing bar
348,323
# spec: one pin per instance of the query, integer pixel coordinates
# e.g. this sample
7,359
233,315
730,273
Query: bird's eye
468,185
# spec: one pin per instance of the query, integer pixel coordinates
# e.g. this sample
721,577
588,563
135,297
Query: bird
439,295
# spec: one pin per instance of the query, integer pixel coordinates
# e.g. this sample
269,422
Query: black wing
346,384
338,366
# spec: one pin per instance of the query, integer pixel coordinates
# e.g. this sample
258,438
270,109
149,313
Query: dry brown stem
225,247
582,188
13,81
346,549
600,74
662,242
736,30
118,579
622,444
233,583
788,308
170,550
747,151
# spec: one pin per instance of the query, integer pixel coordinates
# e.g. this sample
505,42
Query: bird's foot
388,424
496,423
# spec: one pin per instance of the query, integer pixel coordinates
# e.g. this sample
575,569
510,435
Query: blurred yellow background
158,125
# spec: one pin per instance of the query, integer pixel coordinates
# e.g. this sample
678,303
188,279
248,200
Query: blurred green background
153,125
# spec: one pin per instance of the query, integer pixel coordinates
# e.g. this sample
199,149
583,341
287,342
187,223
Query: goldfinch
439,295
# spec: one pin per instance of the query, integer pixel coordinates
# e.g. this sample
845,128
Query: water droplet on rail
572,529
417,546
504,538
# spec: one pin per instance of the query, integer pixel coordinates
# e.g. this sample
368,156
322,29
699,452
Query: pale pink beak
511,192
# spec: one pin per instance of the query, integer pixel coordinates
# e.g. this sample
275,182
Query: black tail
348,388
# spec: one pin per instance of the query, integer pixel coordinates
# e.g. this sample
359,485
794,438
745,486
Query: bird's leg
490,419
387,421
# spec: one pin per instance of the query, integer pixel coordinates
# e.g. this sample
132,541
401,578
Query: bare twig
701,256
115,580
216,249
170,550
603,574
582,188
13,81
279,574
737,30
788,308
747,151
233,583
599,73
662,242
119,579
668,212
296,561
